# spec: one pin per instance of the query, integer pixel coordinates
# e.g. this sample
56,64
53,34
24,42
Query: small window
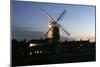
37,52
30,53
41,52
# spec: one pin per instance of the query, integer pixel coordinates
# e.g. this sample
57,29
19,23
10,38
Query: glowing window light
31,45
30,53
37,52
40,51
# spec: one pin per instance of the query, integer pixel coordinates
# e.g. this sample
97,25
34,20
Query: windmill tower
53,32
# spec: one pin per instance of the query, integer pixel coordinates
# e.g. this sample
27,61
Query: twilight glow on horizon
29,22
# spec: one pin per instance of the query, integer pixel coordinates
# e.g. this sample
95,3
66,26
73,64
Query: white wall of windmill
50,33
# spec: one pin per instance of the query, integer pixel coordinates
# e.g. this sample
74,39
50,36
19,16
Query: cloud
20,34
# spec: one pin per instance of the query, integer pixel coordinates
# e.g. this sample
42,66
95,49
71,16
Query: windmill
53,32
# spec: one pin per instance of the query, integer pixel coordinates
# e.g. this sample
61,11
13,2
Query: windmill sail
62,15
64,30
53,28
47,14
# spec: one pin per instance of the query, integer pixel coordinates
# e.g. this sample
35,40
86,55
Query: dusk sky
29,22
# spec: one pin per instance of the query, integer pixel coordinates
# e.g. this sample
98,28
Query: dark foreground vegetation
51,53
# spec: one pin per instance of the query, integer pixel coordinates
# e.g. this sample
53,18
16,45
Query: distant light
37,52
81,44
30,53
40,51
31,45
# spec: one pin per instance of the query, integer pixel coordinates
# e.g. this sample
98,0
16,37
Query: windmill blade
64,30
61,16
47,14
48,31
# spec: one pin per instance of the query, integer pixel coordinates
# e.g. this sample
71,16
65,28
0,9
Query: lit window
30,53
40,51
37,52
32,44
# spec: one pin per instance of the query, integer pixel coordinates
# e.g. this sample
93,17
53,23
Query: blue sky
27,17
